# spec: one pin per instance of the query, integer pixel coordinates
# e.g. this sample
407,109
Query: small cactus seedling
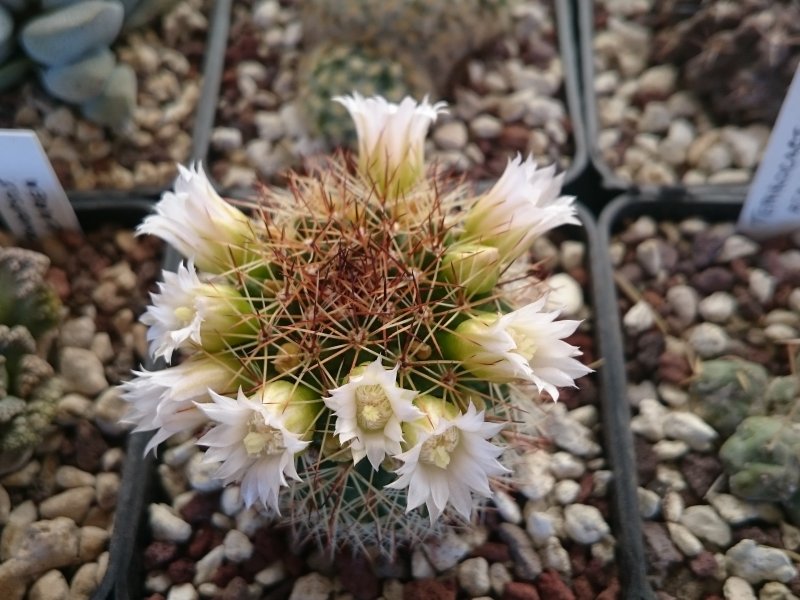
762,459
724,391
29,389
359,348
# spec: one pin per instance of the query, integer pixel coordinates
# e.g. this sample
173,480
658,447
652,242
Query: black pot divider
715,204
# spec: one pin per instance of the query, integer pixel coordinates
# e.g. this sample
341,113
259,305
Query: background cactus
762,459
725,391
67,44
707,40
29,389
330,69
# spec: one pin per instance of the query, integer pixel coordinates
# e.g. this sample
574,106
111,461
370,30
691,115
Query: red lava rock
646,460
597,573
577,558
269,544
158,554
181,570
295,565
700,471
493,552
200,508
224,573
428,589
60,281
203,540
612,592
767,536
713,279
90,447
551,586
155,597
253,565
660,550
650,346
673,368
703,565
582,588
519,590
360,580
235,590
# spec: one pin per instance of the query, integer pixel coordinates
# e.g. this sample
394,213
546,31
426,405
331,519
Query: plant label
772,206
32,202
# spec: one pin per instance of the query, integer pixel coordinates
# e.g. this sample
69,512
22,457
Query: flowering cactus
350,348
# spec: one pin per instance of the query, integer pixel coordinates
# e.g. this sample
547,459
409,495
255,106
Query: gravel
167,57
650,130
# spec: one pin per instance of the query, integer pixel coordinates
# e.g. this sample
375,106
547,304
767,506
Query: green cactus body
725,391
336,69
762,459
29,389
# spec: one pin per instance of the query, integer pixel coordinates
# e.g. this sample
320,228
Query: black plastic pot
567,44
610,180
713,205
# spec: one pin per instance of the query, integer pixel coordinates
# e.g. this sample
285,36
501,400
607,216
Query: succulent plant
29,389
725,391
334,69
762,459
739,57
67,43
351,344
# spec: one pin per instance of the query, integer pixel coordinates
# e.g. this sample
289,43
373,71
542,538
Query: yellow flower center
526,345
437,449
262,439
184,314
373,409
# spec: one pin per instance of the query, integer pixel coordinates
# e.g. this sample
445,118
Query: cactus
708,40
335,69
29,389
374,361
68,44
762,459
725,391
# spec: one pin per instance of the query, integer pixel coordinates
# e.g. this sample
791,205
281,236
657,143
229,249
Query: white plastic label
773,201
32,201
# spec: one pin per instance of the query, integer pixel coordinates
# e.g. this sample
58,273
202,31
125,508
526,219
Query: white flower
448,461
166,400
190,312
369,409
523,345
199,223
391,139
252,441
522,205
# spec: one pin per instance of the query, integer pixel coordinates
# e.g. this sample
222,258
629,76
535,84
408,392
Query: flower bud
473,266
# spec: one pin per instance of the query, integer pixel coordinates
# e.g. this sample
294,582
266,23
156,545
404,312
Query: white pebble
566,491
584,523
507,507
167,526
639,318
688,427
649,503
